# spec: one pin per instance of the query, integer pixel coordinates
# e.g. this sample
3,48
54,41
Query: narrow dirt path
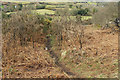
56,58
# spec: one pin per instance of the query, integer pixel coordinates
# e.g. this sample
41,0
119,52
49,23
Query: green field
40,11
54,6
44,11
50,6
74,17
22,2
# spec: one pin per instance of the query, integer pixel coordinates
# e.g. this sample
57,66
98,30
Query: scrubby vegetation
59,40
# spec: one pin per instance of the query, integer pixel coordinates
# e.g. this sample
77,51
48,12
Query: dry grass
100,59
26,62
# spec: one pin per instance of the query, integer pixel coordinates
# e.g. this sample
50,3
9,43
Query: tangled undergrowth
30,39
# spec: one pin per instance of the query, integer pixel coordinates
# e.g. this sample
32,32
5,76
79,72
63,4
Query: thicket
82,12
24,27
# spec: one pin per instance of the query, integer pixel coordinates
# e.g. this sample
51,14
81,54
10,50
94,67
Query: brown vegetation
37,47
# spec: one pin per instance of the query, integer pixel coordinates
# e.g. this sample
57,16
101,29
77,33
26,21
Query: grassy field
20,2
74,17
94,3
40,12
57,7
51,6
44,11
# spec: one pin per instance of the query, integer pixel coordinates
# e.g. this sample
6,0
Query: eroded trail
56,58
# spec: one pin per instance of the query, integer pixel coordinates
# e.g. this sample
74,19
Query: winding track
56,58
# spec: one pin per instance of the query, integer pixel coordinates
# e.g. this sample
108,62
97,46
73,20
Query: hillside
100,59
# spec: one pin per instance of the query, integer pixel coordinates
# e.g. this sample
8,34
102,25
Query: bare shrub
25,27
68,31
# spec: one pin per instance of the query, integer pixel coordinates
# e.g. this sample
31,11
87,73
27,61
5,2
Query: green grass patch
10,13
19,2
74,17
86,17
44,11
50,6
55,7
